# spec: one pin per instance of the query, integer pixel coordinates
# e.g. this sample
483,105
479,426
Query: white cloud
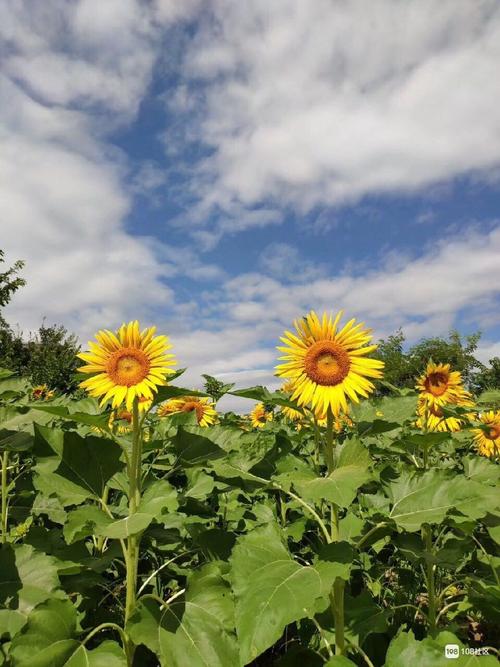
283,261
314,103
71,72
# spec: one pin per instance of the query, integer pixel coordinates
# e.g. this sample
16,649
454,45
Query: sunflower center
327,363
128,366
125,415
493,433
436,411
191,406
436,383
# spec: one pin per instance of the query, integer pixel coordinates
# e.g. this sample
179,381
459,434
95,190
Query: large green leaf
84,521
86,463
11,621
262,394
195,445
197,630
427,498
158,498
27,577
64,412
46,639
168,392
271,589
406,650
107,654
393,409
341,485
333,561
130,525
15,441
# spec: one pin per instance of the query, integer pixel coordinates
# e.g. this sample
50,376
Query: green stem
364,538
101,541
5,464
311,511
133,542
337,593
431,584
329,441
335,526
337,605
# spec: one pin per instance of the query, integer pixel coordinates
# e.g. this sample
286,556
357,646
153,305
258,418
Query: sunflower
290,414
436,421
440,385
328,365
42,392
260,416
204,408
127,364
488,439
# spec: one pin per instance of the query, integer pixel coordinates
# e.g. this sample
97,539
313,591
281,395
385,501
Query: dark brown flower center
327,363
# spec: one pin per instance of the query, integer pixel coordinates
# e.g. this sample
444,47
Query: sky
218,168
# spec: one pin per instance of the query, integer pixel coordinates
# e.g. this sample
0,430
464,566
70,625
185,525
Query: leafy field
171,534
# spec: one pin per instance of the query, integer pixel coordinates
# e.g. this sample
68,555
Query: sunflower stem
337,604
329,441
337,592
133,541
5,502
431,584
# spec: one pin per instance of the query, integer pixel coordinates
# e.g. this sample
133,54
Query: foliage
240,536
216,388
46,358
402,368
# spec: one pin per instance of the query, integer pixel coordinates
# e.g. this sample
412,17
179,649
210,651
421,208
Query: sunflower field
331,526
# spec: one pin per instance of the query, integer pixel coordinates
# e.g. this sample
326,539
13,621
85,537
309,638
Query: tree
49,356
458,351
9,282
397,370
488,377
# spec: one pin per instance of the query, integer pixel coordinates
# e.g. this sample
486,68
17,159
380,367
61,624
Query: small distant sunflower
206,415
42,393
439,384
328,365
127,364
290,414
260,416
340,422
488,439
436,421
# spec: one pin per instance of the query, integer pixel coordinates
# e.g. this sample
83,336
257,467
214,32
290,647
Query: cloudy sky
218,168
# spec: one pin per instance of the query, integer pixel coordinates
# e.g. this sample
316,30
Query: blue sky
219,168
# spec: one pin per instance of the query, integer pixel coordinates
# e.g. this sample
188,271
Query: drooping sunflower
436,421
439,385
260,416
127,364
328,365
487,440
206,415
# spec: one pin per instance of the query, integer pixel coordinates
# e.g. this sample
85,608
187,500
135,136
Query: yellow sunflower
42,392
436,421
340,421
290,414
488,440
206,415
439,385
127,364
260,416
328,365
